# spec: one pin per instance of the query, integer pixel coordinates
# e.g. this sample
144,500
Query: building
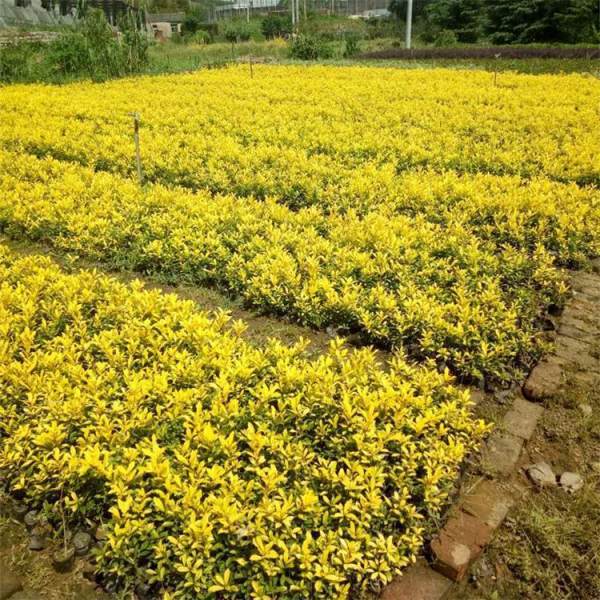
164,25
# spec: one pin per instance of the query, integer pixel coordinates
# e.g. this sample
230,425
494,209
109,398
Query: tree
463,17
528,21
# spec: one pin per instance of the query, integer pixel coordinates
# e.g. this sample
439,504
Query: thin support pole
409,17
136,139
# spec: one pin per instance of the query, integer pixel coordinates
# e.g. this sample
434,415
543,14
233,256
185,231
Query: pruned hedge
482,52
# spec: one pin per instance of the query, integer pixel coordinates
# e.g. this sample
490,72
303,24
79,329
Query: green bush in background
309,47
274,26
445,38
237,31
89,49
17,62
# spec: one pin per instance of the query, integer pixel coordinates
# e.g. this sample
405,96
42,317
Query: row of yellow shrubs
460,285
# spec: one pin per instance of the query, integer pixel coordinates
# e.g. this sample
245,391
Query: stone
477,396
571,482
63,559
488,502
541,474
468,529
9,581
81,542
586,410
571,321
586,286
458,544
38,539
575,352
418,582
579,309
37,543
503,396
579,313
544,381
522,418
501,453
586,378
31,519
587,337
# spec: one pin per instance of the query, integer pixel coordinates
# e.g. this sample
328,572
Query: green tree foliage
527,21
194,19
398,8
274,26
90,49
237,31
509,21
309,47
463,17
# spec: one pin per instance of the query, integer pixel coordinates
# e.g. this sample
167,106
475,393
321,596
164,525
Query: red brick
501,453
488,502
543,382
458,544
468,530
451,558
522,418
418,582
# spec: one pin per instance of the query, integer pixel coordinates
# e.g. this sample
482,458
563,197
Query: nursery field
430,213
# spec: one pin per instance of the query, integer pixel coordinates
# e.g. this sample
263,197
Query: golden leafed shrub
457,270
220,469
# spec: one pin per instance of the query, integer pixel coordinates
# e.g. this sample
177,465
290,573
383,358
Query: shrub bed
218,469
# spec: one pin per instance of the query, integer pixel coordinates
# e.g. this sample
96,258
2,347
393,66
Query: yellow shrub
220,468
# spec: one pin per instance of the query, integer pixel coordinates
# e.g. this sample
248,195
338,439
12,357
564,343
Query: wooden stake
496,56
136,139
251,69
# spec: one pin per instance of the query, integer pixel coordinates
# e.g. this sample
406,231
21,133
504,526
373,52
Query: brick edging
477,513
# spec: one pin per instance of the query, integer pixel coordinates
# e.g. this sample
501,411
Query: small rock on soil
571,482
541,474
